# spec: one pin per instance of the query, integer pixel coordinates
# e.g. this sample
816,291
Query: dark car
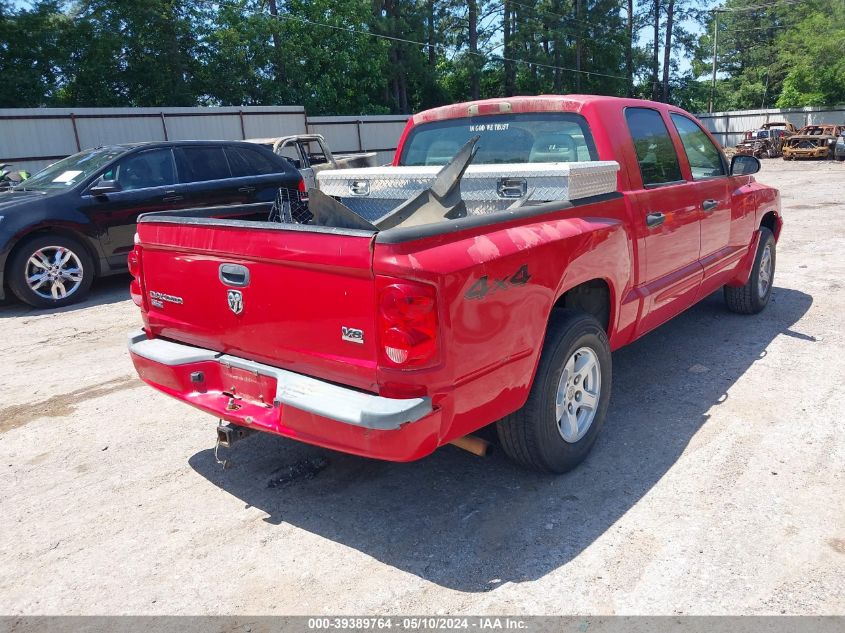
839,150
75,220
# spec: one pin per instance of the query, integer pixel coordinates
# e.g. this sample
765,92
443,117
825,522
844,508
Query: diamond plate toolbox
373,191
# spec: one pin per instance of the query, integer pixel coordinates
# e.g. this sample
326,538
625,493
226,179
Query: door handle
246,189
234,275
655,219
709,205
171,196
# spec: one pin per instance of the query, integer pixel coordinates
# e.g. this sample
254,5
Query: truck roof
518,104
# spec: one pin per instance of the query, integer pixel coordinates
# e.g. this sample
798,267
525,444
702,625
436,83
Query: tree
33,49
655,49
814,55
629,49
667,48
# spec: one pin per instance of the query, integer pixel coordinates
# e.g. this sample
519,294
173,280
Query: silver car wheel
54,272
578,393
765,279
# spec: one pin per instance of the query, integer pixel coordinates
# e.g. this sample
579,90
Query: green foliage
814,53
374,56
31,44
782,55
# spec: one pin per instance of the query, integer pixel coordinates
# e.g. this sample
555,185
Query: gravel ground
717,486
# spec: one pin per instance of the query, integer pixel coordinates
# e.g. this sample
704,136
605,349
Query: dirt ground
717,486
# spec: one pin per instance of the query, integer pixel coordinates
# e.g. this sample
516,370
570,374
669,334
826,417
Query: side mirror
105,186
744,165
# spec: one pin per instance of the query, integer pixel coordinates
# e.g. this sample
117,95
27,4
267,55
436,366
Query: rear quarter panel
496,289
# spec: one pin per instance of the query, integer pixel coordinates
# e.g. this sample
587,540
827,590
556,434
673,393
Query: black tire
839,158
21,269
531,436
748,299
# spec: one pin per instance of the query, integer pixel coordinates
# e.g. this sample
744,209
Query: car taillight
136,290
408,324
303,191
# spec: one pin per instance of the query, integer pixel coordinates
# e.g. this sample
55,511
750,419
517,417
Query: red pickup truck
391,343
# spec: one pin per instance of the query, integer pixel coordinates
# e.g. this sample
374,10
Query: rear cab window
656,155
534,137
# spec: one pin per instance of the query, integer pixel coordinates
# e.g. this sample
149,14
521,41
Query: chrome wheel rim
54,272
765,275
578,394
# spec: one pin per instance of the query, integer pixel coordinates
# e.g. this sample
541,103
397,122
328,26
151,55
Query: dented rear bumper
282,402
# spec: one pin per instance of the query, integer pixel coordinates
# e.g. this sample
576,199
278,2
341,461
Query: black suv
75,220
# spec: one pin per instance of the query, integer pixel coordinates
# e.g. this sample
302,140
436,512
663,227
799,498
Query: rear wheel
556,428
51,271
755,294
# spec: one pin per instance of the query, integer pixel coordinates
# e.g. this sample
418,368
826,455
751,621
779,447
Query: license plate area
247,385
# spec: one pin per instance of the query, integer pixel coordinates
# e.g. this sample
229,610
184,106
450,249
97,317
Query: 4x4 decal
484,286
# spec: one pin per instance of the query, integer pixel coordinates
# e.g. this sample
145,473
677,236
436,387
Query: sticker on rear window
489,127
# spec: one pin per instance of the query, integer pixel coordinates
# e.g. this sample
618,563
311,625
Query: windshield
73,169
554,137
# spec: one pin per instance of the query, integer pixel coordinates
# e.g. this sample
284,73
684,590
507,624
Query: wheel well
95,257
770,221
592,297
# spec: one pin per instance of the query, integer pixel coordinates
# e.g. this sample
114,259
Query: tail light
407,325
303,191
136,290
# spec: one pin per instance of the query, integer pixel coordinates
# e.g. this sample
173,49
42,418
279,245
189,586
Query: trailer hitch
227,436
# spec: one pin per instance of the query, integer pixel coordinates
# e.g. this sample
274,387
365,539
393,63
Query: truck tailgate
301,291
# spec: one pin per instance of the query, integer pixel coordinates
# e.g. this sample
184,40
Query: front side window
704,158
533,137
655,151
153,168
200,163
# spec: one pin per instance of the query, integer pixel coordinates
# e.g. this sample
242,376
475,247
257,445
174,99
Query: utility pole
713,81
765,90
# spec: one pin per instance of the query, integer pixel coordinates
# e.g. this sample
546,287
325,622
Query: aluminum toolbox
373,191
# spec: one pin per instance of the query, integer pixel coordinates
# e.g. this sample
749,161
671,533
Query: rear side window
704,158
532,137
200,163
248,162
655,151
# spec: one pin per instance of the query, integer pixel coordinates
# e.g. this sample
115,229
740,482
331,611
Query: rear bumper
285,403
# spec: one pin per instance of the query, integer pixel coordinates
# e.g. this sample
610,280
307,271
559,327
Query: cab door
147,181
711,191
668,221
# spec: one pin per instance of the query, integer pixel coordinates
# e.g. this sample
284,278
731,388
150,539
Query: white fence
729,127
377,133
33,138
